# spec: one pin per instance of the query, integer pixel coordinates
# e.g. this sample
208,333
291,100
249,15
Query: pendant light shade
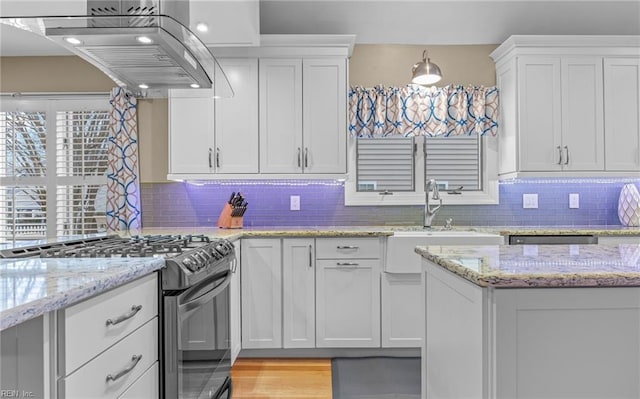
425,72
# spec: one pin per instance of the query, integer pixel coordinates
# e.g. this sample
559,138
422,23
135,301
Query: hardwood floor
282,378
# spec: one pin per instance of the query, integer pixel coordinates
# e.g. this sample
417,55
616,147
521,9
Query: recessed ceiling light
202,27
143,86
194,85
72,40
144,39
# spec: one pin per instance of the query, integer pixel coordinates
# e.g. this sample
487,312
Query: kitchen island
531,321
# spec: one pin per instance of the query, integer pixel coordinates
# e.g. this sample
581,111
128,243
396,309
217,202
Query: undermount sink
401,256
441,233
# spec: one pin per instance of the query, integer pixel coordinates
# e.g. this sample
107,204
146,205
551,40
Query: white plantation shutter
74,133
81,144
24,212
385,164
81,209
454,162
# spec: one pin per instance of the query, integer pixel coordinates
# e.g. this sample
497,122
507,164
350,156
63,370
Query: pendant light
425,72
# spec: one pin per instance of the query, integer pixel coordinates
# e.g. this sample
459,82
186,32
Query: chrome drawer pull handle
134,309
299,159
346,263
347,247
134,362
559,155
306,157
566,161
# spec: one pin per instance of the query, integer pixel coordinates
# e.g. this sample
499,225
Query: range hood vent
135,45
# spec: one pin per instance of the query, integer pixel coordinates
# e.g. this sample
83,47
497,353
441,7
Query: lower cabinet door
347,303
234,307
402,310
145,387
298,293
110,373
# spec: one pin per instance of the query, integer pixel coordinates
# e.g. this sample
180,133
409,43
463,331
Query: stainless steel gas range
194,298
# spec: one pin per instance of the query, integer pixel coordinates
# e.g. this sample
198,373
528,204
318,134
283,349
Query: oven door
197,359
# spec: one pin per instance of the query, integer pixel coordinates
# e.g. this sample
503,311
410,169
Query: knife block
226,221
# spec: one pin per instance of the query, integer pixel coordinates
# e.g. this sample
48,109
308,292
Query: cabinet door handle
210,164
134,309
566,149
299,159
217,157
347,247
306,157
559,155
134,362
310,256
347,263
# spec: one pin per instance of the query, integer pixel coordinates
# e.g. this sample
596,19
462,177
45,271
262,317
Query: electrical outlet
574,200
294,203
529,201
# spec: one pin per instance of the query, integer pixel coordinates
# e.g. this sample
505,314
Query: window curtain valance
417,111
123,183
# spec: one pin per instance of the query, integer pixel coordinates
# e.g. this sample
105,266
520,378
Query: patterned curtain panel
415,111
123,184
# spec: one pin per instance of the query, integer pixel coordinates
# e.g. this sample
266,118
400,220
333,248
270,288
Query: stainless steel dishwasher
552,239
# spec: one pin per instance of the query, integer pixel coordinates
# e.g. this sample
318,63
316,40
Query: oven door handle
200,299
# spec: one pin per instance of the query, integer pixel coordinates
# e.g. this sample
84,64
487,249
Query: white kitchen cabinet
347,294
402,310
556,98
191,125
303,115
622,110
236,119
298,293
235,304
229,22
281,115
261,281
90,347
560,114
209,136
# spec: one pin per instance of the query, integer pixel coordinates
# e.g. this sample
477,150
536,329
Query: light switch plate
529,201
574,200
294,203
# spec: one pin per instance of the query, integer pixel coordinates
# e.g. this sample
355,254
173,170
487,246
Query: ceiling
385,22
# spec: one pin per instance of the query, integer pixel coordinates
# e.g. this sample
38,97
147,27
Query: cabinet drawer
348,248
83,329
90,381
145,387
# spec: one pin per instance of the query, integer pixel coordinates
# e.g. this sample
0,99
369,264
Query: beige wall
73,74
390,65
370,65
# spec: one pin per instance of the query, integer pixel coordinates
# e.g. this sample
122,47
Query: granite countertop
34,286
542,266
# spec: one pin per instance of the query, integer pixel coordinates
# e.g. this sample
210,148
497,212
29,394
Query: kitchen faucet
430,213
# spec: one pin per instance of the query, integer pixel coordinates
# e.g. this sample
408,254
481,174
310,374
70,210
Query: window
392,171
53,164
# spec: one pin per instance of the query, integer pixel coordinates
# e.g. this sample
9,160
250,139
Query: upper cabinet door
281,115
236,133
191,124
324,115
539,113
582,114
229,22
622,113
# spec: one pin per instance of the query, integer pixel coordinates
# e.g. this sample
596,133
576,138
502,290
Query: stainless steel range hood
142,45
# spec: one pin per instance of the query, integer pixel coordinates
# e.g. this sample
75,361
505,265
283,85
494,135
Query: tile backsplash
322,204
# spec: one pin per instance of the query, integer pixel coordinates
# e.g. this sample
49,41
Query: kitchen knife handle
566,149
299,160
306,157
559,155
210,152
310,256
217,157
